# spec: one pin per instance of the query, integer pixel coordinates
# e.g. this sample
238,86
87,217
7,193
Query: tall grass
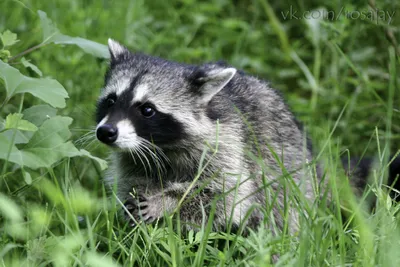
340,76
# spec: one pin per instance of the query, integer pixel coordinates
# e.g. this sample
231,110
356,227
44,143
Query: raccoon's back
267,123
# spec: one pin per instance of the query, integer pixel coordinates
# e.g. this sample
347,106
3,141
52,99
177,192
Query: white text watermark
375,16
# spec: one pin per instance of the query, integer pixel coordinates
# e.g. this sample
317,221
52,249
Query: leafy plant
36,137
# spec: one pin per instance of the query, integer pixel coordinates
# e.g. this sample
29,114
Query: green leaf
52,133
47,146
15,121
13,127
8,38
27,177
11,77
52,35
38,114
90,47
19,137
49,90
14,156
35,69
50,30
101,162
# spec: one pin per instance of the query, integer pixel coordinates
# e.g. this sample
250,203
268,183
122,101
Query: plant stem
12,143
33,48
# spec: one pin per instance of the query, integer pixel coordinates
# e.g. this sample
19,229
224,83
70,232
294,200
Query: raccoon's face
147,100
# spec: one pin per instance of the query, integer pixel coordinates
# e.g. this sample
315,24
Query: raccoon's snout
107,133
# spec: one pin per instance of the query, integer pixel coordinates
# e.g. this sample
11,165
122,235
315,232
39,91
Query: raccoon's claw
142,209
141,198
130,212
148,209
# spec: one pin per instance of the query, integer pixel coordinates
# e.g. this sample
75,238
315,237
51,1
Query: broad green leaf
15,121
14,156
33,67
17,130
11,77
90,47
49,90
50,30
8,38
52,35
101,162
52,133
37,157
38,114
17,136
47,146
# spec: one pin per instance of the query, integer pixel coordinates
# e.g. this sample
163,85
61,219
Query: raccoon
196,139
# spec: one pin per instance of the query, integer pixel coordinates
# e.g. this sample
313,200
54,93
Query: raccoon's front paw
150,208
145,209
131,211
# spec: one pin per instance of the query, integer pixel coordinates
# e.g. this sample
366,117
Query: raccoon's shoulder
244,94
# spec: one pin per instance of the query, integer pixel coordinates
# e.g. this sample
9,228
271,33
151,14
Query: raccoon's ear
212,81
116,49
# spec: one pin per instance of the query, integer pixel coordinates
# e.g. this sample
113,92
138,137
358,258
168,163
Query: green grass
340,77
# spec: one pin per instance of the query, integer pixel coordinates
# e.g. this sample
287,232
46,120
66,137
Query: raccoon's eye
110,102
111,99
147,111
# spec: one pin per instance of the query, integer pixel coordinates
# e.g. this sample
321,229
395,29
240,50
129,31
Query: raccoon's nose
107,133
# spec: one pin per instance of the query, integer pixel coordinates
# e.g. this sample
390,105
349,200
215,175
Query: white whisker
145,157
86,139
133,156
157,149
157,161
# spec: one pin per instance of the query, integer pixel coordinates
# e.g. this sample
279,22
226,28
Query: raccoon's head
150,100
